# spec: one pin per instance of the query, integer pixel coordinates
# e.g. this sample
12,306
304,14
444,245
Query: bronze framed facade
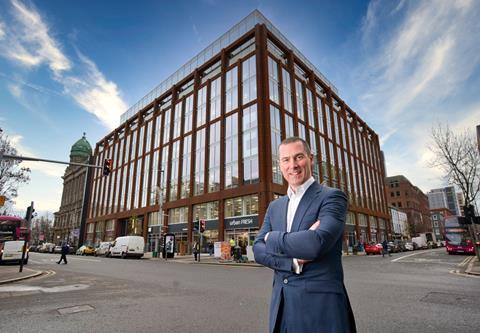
206,149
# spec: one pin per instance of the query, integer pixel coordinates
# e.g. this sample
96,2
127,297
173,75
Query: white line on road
456,272
408,255
79,259
59,289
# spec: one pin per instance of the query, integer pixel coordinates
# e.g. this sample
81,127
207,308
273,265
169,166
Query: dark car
394,247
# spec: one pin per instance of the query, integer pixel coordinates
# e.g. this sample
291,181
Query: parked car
46,248
400,244
128,246
372,248
85,250
72,249
416,246
409,246
392,247
432,245
33,248
103,249
57,249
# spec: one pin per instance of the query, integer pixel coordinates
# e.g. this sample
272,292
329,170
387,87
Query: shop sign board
241,222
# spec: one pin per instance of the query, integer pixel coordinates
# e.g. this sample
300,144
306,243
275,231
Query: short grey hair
293,139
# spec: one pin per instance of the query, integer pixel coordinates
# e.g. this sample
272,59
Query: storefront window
178,215
135,226
241,206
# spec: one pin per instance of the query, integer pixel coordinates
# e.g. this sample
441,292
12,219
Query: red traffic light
107,166
202,226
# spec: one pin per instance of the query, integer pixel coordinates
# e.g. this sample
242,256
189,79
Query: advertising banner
217,249
225,251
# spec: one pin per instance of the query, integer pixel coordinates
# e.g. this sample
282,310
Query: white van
12,252
128,246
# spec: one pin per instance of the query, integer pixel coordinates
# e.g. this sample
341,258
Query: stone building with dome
68,219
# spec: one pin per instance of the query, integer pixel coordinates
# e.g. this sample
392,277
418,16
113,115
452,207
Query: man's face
295,163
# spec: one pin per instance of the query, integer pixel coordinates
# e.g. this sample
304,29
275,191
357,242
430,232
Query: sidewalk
11,274
205,259
473,266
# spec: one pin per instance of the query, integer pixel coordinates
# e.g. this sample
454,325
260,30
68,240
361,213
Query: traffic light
107,166
29,213
202,226
469,211
463,220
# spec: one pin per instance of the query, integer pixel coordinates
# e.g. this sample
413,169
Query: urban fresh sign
241,222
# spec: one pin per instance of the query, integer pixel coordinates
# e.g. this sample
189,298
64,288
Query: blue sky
68,67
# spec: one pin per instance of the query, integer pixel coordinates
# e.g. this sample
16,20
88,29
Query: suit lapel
283,214
305,203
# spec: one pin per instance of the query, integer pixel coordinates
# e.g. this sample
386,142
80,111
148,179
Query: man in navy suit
301,240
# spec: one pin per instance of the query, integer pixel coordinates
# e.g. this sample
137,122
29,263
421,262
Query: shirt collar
301,189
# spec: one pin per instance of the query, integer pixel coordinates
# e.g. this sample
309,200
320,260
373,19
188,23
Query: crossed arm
307,245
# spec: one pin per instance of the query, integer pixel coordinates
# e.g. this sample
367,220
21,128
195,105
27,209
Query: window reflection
250,145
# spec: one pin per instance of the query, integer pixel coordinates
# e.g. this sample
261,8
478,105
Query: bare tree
42,227
11,174
457,156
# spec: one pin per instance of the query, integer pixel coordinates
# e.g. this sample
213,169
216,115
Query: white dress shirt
294,200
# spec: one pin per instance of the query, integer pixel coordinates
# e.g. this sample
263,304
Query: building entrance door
153,242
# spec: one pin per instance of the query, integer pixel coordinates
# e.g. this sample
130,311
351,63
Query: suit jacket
316,299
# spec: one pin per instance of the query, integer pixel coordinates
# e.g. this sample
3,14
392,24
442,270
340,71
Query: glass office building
203,145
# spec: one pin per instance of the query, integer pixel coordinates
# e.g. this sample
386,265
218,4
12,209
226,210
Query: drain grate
75,309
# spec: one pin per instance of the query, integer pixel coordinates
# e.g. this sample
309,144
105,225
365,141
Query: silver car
103,249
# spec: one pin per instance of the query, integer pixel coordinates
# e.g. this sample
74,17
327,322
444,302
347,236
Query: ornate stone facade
68,218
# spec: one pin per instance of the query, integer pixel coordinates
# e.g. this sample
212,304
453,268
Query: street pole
201,237
25,236
25,158
160,198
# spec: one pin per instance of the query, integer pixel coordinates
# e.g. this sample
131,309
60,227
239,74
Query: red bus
11,228
457,237
12,239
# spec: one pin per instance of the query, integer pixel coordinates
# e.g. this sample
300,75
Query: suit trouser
282,315
281,323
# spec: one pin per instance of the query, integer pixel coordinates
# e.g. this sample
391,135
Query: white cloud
423,49
2,30
28,42
15,90
94,93
48,169
419,58
34,41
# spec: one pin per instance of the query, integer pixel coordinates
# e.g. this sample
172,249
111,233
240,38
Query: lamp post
160,198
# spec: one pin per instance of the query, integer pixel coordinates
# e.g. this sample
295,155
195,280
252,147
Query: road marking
75,309
17,288
408,255
464,262
456,272
79,259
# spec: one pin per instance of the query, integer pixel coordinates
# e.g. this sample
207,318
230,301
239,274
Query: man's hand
313,227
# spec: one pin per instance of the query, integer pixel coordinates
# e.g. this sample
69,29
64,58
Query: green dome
81,148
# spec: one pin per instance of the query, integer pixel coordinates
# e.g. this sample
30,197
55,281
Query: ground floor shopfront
359,228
